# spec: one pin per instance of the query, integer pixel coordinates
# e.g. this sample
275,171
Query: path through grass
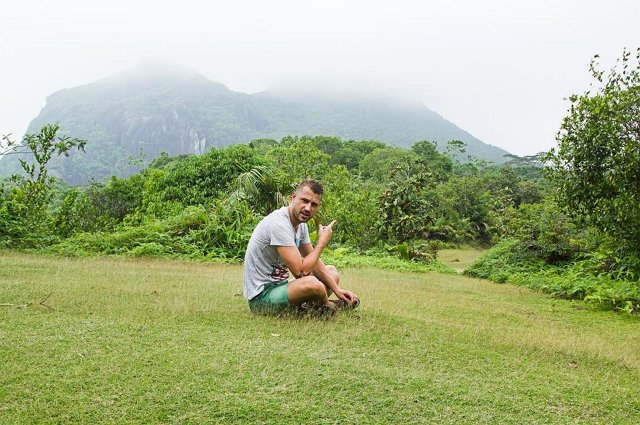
459,259
134,341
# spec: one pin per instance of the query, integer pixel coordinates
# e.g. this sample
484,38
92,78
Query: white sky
499,69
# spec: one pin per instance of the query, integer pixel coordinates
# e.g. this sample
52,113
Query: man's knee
305,289
314,287
333,271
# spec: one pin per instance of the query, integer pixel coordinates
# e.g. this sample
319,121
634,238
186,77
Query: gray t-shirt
262,264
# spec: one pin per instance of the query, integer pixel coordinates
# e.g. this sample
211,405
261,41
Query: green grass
140,341
459,259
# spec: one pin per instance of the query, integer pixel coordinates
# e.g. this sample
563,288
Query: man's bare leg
313,289
330,272
307,288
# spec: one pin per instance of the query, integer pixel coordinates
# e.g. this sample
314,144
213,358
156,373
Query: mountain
158,108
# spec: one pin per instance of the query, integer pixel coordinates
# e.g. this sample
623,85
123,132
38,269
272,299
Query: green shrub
504,260
545,232
509,261
148,249
222,232
228,230
348,200
193,180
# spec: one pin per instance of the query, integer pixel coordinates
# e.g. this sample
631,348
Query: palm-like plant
261,189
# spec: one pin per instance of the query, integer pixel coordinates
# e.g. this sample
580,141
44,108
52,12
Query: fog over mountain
160,107
500,70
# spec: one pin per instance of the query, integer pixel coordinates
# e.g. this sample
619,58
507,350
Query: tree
353,152
297,159
172,184
23,216
261,189
596,165
440,165
379,164
405,212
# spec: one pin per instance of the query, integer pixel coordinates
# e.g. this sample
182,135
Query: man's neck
293,221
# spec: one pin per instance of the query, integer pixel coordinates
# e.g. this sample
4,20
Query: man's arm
320,271
298,265
302,266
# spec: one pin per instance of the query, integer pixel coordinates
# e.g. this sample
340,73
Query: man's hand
347,296
325,233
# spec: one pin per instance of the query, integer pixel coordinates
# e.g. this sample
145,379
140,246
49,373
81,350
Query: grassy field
138,341
459,259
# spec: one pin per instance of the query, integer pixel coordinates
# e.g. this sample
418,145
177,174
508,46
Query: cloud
498,69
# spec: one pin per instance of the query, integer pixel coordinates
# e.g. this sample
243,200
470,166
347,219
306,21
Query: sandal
343,305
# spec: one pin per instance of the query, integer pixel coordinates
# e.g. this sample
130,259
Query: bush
193,180
509,261
504,260
348,200
221,232
596,166
545,232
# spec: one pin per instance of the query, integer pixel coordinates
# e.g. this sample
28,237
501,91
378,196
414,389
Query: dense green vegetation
386,200
596,166
569,228
585,242
130,341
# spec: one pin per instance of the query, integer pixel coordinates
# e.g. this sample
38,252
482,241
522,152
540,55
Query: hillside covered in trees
159,108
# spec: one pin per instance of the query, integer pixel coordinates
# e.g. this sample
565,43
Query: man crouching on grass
280,245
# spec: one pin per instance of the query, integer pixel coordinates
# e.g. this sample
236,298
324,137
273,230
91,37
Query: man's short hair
314,185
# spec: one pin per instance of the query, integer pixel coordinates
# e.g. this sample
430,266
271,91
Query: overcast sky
500,69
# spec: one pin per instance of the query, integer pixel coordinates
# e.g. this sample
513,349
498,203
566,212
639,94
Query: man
280,246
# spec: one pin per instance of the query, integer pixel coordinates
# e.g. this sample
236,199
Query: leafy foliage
405,211
24,215
350,200
512,261
545,232
260,187
222,232
596,166
195,180
99,206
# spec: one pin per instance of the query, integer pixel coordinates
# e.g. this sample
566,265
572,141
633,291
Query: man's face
304,204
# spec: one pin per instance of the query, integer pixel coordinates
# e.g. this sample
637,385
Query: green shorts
272,299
